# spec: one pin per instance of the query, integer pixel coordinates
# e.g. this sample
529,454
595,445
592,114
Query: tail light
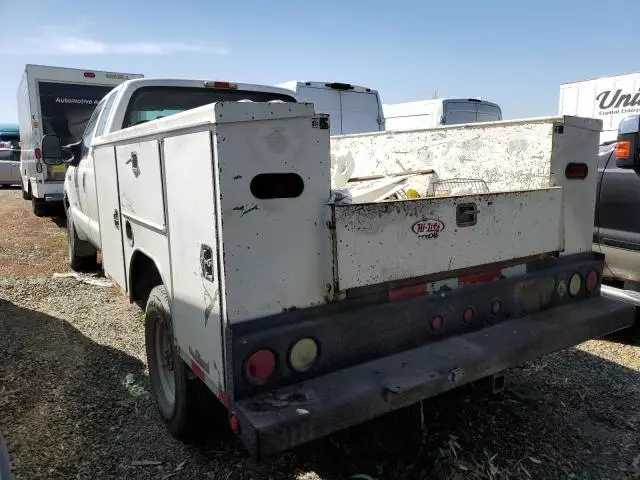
259,366
468,314
575,284
577,171
591,282
437,322
38,153
303,354
89,75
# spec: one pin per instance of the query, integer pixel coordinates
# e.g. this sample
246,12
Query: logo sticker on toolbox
427,228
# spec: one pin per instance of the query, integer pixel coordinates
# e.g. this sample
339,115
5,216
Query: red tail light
436,322
496,306
38,153
468,314
89,75
591,282
234,423
577,171
259,366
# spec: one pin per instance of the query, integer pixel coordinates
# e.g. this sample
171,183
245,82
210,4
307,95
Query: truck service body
55,101
302,316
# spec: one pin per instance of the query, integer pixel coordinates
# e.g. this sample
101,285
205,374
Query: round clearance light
259,366
591,281
303,355
468,314
437,322
575,284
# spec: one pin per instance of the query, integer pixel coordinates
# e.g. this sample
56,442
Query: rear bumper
289,416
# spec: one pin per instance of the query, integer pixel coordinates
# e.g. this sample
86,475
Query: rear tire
39,207
177,396
82,255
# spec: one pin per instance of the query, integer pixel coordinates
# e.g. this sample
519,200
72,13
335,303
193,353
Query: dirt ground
75,401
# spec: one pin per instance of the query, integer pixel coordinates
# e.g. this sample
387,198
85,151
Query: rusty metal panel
381,242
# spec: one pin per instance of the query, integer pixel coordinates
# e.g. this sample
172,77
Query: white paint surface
376,242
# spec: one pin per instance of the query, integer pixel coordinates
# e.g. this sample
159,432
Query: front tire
172,388
82,255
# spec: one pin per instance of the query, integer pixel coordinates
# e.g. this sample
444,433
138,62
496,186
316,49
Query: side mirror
627,153
51,150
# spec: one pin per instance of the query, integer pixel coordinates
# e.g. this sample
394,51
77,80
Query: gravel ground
75,403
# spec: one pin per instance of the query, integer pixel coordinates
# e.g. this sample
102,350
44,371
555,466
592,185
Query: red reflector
623,149
234,423
89,75
38,153
436,322
591,281
195,368
259,366
576,171
405,293
481,277
468,314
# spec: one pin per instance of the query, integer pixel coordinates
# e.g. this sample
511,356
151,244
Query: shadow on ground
61,394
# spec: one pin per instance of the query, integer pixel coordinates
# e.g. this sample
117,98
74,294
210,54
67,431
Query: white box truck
55,101
439,111
302,316
609,99
351,108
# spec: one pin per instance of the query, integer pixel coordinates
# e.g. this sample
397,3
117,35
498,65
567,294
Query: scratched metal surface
508,156
140,182
381,242
191,217
277,253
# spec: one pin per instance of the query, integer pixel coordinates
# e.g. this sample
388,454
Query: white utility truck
303,316
439,111
55,101
351,108
609,99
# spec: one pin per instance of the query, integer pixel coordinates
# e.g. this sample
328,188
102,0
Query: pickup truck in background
305,316
617,219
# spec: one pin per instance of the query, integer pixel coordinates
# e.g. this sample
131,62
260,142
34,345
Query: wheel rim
164,361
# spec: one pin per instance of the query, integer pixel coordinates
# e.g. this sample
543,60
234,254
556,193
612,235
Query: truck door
618,219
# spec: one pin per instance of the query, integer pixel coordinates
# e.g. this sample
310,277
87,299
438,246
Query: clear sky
515,53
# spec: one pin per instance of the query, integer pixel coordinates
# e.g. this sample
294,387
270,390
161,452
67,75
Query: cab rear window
151,103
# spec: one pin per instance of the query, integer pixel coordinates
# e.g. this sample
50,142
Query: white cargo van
55,101
439,111
608,98
352,109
